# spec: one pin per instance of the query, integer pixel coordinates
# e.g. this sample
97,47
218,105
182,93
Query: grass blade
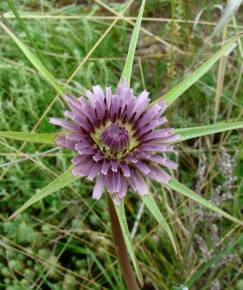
23,26
177,186
153,208
179,89
127,70
61,181
44,138
194,132
34,60
124,227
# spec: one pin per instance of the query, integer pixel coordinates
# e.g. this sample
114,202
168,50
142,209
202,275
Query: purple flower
118,139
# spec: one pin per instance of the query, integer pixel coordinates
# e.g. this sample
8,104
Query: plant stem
121,249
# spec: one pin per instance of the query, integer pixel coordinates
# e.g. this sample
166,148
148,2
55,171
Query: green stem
121,249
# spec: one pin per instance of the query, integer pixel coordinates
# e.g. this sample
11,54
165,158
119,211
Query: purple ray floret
118,139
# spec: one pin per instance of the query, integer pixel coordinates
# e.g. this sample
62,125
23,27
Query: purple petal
123,187
152,125
83,168
62,142
159,174
114,165
138,183
163,133
65,124
166,140
98,91
108,98
109,182
99,187
164,161
98,156
83,145
115,105
105,167
125,96
94,170
141,103
116,181
91,97
78,159
100,108
156,147
142,155
74,137
142,167
79,120
154,112
120,88
89,113
85,151
130,107
125,169
131,158
74,104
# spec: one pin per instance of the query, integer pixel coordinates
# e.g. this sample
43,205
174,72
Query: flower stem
121,249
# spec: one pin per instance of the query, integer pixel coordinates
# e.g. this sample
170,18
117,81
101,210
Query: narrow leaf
194,132
61,181
177,186
34,60
127,71
23,26
44,138
179,89
153,208
124,227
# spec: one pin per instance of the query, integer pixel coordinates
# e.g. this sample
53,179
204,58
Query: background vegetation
64,241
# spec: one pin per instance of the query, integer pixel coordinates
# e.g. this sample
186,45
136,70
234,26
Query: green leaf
177,186
127,70
61,181
44,138
153,208
23,26
34,60
125,231
179,89
194,132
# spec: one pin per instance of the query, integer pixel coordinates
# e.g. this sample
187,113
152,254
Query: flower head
118,140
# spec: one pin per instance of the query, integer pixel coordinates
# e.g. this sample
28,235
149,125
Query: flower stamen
115,137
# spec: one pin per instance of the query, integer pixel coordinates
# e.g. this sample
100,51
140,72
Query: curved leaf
21,22
194,132
153,208
179,89
44,138
61,181
124,227
127,70
177,186
34,60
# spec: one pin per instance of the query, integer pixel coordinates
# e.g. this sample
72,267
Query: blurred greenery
64,241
